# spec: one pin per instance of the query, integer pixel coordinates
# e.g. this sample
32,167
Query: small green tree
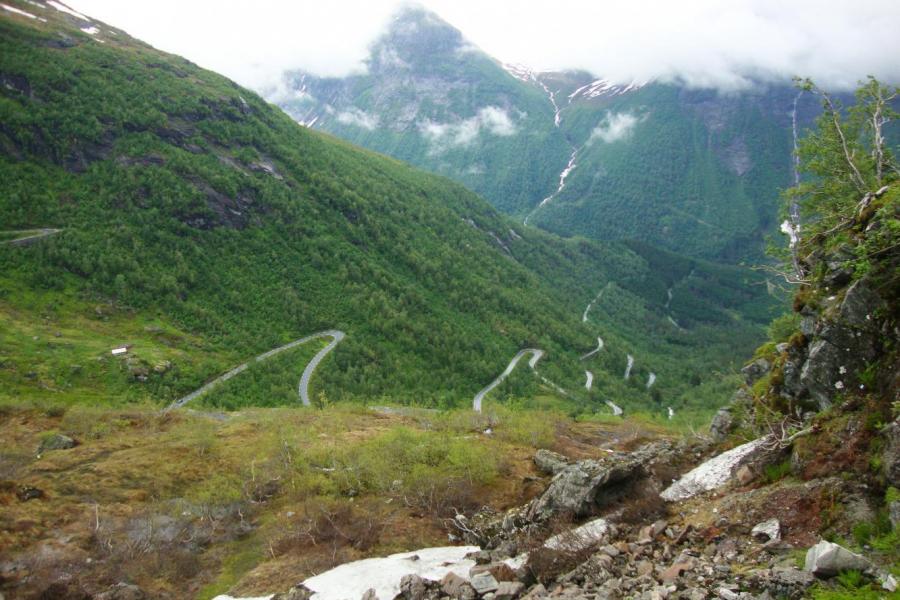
846,160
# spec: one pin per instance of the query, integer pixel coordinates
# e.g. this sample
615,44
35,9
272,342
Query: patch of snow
118,351
350,581
712,474
580,537
590,380
628,366
604,87
63,8
22,13
91,30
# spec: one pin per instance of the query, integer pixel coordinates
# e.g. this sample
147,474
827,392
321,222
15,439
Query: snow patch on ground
580,537
712,474
22,13
91,30
63,8
350,581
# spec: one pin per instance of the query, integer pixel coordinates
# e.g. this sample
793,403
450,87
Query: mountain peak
414,37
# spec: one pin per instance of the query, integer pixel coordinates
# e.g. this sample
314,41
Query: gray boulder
457,588
412,587
56,441
550,462
484,582
722,424
827,559
509,590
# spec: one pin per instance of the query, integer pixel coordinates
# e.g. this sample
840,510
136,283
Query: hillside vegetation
203,227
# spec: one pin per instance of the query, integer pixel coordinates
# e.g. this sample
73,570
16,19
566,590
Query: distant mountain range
693,171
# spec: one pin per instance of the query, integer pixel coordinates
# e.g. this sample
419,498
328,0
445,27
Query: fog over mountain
703,43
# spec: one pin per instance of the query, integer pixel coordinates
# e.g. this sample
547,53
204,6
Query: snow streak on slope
604,87
562,184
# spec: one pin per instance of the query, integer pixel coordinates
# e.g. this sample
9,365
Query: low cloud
490,119
707,43
614,127
356,117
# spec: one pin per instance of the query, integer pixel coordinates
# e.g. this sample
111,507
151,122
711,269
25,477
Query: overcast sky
704,42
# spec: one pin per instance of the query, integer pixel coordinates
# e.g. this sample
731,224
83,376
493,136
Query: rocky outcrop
582,488
56,441
550,462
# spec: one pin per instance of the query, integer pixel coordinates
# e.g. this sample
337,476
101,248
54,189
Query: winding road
28,239
536,356
303,388
590,380
596,350
587,309
617,412
629,366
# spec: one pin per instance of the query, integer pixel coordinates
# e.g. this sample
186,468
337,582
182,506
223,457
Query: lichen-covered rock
56,441
550,462
755,370
579,488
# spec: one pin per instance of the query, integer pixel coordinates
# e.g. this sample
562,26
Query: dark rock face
842,346
890,457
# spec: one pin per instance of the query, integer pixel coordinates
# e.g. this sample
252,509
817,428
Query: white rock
712,474
826,559
580,537
767,530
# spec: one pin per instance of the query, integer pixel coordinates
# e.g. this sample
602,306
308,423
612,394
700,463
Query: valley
439,327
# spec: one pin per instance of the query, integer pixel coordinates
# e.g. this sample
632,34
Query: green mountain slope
202,226
693,171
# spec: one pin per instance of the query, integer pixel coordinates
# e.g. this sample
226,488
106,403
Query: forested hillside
201,226
694,171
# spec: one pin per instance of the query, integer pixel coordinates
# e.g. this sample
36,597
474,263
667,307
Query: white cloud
354,116
720,43
614,127
491,119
